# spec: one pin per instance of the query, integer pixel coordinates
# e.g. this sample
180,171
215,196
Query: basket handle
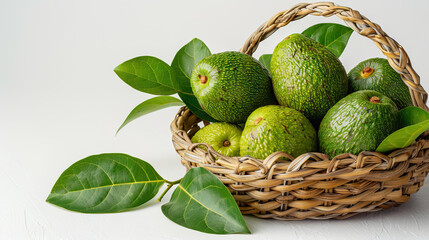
394,52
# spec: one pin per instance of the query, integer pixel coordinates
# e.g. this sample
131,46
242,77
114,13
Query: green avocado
307,76
230,85
377,74
277,128
223,137
358,122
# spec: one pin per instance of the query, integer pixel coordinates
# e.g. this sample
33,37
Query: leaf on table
193,105
203,203
265,59
148,74
333,36
106,183
185,60
151,105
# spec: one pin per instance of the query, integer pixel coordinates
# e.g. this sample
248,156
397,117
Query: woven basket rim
279,154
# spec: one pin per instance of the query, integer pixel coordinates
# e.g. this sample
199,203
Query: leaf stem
170,184
174,182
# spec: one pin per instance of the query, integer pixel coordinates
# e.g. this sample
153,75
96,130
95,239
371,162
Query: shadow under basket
313,186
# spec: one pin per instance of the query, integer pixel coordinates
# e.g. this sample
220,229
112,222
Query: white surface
60,101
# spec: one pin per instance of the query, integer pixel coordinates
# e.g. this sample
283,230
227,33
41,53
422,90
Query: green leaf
203,203
183,64
413,122
193,105
106,183
151,105
186,59
265,59
403,137
148,74
412,115
333,36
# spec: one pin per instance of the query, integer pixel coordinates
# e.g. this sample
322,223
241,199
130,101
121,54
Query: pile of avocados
305,102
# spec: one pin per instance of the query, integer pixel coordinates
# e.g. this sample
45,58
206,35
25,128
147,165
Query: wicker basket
312,186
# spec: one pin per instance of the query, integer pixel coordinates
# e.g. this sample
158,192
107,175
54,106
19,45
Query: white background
60,101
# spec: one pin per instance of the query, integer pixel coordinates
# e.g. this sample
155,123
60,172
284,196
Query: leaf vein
70,203
112,185
98,204
192,197
337,39
129,170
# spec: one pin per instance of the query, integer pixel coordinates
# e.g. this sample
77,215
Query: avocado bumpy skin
230,85
307,76
356,124
380,77
223,137
277,128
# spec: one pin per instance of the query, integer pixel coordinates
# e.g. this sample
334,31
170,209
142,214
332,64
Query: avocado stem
226,143
367,71
203,79
257,120
374,99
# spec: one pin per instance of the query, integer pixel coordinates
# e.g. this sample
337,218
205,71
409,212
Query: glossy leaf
202,202
412,115
151,105
183,64
148,74
265,59
106,183
185,60
333,36
403,137
413,122
193,105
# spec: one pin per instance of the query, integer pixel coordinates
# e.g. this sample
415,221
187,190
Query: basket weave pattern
313,185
